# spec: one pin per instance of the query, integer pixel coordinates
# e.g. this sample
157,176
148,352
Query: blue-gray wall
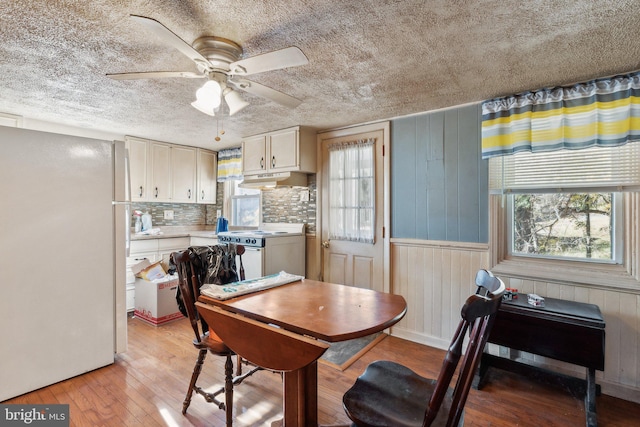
438,179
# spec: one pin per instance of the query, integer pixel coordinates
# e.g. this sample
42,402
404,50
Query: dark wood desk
569,331
302,311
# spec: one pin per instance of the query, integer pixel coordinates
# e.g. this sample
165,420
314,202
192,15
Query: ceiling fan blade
170,38
266,92
155,75
278,59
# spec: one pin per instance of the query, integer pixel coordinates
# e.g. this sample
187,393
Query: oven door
253,262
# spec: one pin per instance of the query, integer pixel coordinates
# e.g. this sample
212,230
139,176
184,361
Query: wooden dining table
287,329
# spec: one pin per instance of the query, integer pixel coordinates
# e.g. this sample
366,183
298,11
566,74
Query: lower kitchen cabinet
153,250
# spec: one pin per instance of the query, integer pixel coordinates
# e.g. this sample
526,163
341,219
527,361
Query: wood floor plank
146,387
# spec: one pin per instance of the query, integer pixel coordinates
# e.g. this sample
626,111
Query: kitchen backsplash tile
284,205
184,214
278,205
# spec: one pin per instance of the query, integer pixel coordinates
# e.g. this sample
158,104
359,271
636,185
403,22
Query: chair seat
391,395
213,345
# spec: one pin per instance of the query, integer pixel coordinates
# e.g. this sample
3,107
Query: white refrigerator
63,241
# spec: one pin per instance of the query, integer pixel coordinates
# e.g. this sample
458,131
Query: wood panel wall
436,277
438,180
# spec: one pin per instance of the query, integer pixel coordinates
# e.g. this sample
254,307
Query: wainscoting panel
436,277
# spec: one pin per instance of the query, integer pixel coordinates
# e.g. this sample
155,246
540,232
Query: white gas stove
272,248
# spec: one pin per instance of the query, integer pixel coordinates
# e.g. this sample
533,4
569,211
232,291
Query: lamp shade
208,98
234,101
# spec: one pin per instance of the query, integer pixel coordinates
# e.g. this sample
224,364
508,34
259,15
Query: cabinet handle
189,194
202,194
261,162
273,161
140,191
156,193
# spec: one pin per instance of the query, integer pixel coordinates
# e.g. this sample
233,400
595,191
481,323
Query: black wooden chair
389,394
189,285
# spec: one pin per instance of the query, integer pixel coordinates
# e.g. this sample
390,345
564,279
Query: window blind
594,169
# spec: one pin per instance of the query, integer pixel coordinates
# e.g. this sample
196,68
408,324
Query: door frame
383,126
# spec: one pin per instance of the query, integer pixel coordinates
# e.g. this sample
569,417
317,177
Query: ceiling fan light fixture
208,97
207,109
218,59
234,101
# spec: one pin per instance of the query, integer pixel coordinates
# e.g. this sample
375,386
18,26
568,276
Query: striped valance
230,164
602,112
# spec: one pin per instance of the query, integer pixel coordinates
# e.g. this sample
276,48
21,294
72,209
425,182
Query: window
567,216
556,154
245,205
578,226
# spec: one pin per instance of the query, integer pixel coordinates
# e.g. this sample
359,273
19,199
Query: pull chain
217,138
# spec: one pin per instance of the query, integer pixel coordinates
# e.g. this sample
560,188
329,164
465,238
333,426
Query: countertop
173,232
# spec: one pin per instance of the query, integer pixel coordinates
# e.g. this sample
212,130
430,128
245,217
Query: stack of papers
235,289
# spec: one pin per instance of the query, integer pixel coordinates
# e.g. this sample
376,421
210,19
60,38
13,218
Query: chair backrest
188,285
189,267
216,264
478,313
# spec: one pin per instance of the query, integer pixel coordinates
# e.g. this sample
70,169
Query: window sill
603,276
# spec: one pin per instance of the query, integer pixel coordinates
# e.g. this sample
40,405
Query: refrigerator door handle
127,178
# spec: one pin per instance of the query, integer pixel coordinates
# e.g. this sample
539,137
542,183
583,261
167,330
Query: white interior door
354,215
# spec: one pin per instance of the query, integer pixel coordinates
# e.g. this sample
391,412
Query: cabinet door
160,172
137,168
183,174
169,245
283,151
254,155
207,174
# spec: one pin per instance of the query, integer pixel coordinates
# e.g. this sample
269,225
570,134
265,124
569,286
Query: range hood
274,179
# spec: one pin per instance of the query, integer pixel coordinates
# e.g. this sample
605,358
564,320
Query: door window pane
352,190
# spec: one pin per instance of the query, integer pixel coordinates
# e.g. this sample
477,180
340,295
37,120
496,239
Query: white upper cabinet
254,154
138,152
286,150
183,174
207,175
160,172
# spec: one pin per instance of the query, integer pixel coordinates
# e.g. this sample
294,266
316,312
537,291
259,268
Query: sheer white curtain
352,191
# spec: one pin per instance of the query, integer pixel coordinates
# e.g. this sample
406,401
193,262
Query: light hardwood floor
146,387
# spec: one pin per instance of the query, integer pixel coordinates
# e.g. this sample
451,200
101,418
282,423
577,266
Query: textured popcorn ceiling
368,59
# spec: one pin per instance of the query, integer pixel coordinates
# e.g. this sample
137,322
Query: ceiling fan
218,60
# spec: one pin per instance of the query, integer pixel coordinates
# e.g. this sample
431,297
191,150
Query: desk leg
301,397
590,399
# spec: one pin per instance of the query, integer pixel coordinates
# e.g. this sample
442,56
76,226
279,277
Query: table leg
590,399
301,397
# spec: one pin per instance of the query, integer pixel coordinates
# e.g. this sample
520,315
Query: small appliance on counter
222,225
